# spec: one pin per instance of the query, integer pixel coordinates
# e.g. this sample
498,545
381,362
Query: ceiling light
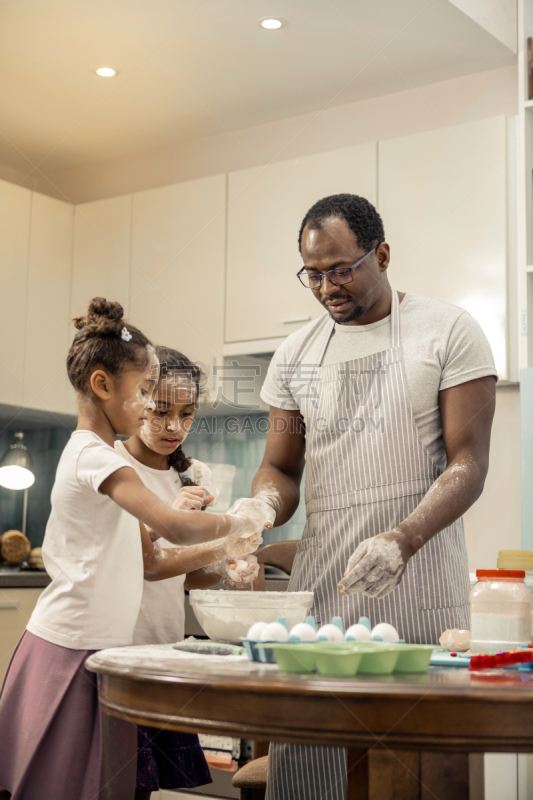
271,24
106,72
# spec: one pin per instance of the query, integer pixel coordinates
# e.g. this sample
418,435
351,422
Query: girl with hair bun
97,550
170,759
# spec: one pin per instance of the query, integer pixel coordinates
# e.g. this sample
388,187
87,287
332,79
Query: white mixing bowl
226,616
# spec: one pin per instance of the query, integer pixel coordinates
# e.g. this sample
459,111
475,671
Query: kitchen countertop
23,579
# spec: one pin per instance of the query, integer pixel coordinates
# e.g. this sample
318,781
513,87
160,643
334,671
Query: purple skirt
49,724
169,760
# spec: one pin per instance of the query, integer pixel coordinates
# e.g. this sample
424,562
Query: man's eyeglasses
313,280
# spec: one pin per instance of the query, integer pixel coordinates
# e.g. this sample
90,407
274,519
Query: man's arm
467,410
281,470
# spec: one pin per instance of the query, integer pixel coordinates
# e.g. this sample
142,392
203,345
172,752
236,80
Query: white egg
304,632
274,632
256,630
234,573
331,633
386,631
358,633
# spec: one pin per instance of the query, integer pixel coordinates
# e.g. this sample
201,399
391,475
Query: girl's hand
243,571
235,546
192,498
250,516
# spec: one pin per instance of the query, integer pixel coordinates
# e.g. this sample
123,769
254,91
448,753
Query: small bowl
378,660
293,657
340,661
414,657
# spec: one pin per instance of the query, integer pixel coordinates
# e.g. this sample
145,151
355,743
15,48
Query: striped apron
366,471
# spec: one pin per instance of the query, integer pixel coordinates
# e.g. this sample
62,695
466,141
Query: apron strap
395,319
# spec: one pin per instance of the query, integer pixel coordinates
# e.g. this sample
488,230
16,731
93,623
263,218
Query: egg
331,633
304,632
386,632
358,633
274,632
234,573
255,631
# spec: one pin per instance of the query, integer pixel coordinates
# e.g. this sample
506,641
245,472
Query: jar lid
515,559
518,574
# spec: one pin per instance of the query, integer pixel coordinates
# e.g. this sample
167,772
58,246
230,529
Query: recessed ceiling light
106,72
272,24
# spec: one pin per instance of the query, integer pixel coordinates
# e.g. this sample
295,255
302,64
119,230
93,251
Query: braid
179,461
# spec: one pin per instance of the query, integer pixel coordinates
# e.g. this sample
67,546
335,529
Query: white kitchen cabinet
177,277
264,298
102,252
16,607
442,197
101,257
15,211
47,335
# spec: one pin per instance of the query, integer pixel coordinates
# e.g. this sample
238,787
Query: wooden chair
251,779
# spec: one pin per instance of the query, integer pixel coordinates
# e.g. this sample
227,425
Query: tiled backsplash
45,448
238,440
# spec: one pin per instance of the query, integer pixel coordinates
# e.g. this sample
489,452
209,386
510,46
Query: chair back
277,554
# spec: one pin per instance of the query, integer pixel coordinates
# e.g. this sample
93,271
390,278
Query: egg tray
265,655
343,659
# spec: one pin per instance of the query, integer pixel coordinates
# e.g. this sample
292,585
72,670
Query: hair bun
103,316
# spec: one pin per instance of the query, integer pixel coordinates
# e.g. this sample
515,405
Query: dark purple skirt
49,724
169,760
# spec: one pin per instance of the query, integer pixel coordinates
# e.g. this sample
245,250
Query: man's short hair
361,217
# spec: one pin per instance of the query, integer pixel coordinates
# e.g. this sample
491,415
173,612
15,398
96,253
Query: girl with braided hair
170,759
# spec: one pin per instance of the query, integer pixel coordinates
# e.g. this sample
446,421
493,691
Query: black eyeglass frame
331,272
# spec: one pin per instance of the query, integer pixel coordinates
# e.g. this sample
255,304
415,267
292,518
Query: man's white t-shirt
161,617
442,344
92,551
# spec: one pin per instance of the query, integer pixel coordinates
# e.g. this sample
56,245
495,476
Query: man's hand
377,565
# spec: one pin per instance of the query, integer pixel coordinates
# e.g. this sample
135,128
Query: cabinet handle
288,320
7,606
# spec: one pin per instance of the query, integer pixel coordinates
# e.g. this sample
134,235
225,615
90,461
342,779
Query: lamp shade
15,466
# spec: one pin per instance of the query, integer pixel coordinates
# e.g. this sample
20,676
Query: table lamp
16,472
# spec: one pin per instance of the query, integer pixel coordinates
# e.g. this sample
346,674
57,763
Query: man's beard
353,315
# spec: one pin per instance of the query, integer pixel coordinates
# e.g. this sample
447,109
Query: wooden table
444,710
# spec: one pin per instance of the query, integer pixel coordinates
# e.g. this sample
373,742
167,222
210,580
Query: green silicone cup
414,657
337,662
294,657
380,661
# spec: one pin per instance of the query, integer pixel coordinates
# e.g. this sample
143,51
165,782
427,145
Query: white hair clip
126,335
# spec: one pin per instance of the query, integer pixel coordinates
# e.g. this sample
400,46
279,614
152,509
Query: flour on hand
375,568
243,571
255,510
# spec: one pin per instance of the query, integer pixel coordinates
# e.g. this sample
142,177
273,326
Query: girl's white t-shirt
92,551
161,617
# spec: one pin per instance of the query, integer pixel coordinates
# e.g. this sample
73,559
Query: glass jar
519,559
500,610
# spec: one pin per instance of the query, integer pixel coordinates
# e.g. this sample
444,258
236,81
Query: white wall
493,523
471,97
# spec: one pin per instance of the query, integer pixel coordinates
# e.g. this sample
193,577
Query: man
389,399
